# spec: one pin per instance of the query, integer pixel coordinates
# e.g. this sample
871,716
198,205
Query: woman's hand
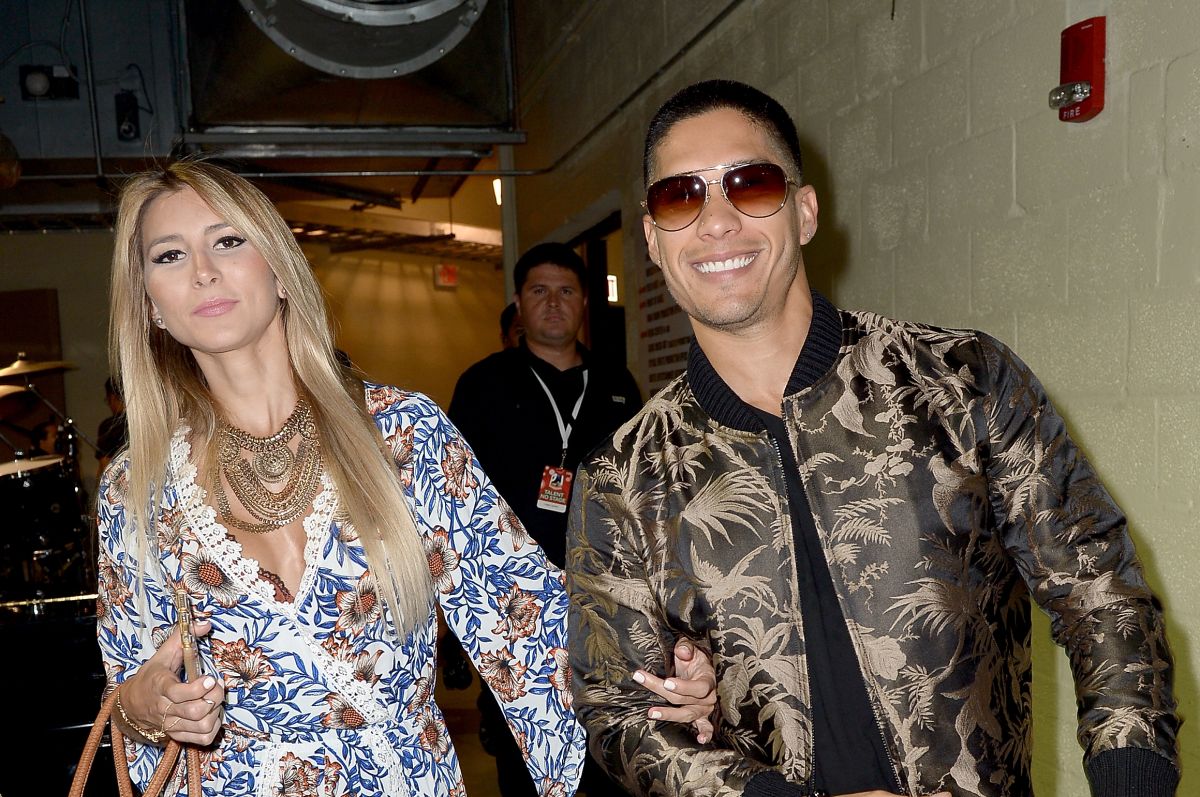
692,691
156,700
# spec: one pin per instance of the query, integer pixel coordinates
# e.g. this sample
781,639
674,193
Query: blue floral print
322,700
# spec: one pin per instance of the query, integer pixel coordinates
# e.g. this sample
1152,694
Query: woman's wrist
149,734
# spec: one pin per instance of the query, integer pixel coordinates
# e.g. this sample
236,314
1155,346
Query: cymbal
23,466
22,366
10,390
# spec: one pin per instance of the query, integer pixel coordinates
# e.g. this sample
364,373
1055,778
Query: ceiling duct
365,38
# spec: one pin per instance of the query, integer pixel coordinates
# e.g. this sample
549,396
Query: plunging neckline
245,571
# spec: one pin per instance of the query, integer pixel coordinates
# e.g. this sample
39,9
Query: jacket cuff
1130,772
772,784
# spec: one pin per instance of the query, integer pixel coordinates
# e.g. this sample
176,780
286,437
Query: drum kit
46,548
47,590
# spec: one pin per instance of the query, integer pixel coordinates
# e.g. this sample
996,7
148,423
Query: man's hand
692,691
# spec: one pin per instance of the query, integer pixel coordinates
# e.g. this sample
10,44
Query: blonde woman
311,529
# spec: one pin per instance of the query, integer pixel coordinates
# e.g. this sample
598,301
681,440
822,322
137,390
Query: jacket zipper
887,751
812,753
812,739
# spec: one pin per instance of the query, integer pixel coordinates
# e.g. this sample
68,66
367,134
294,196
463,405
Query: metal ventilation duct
365,38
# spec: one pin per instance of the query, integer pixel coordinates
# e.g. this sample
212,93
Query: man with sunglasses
852,512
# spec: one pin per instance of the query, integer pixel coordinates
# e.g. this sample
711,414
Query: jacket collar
817,356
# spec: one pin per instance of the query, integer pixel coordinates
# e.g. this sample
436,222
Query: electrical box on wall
129,127
1079,95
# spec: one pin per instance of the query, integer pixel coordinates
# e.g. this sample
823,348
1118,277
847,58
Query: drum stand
71,434
67,423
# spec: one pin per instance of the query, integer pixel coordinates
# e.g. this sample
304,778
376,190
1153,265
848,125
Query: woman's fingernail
641,679
211,703
655,714
669,684
209,683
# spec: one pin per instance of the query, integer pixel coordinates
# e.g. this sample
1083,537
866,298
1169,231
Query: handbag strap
162,772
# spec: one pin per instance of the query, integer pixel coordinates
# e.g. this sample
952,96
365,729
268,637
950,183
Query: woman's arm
154,703
500,597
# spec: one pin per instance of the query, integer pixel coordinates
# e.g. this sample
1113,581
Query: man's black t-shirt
849,755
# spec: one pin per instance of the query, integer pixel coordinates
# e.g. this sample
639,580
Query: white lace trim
268,769
393,784
244,570
386,755
228,551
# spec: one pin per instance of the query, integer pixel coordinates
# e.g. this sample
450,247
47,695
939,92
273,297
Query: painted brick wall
951,194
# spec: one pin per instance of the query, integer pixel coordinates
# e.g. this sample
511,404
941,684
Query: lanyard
564,429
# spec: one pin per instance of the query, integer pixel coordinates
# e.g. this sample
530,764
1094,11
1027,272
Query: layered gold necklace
270,463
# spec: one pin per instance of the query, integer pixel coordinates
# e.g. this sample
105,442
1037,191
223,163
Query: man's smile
728,264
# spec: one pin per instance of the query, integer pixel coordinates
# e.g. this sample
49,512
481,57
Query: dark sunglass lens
758,189
675,202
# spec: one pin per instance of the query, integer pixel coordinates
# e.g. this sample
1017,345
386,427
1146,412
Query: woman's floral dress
320,698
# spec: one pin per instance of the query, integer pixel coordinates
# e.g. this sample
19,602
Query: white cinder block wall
950,193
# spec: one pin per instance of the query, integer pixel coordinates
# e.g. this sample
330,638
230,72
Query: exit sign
445,275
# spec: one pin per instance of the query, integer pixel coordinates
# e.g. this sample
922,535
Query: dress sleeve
126,642
1072,545
506,603
618,628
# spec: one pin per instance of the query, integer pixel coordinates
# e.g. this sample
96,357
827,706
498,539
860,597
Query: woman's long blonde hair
164,387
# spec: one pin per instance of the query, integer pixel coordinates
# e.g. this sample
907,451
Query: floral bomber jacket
945,492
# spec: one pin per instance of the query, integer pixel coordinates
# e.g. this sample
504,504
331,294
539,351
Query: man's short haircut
712,95
551,253
506,318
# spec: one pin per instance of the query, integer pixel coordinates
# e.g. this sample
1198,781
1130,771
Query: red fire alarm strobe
1079,95
445,275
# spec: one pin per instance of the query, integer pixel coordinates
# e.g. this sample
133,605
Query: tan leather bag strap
162,773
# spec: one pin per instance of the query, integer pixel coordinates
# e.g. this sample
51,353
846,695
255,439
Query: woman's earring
158,322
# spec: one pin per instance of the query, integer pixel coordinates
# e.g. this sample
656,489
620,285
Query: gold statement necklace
271,462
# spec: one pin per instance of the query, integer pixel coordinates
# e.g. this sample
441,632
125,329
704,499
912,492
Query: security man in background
531,413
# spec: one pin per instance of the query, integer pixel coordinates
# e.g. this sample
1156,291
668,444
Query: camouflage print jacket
945,491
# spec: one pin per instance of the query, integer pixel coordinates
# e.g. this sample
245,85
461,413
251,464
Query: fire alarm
1079,95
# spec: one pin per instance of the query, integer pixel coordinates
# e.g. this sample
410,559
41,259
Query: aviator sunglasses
755,189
